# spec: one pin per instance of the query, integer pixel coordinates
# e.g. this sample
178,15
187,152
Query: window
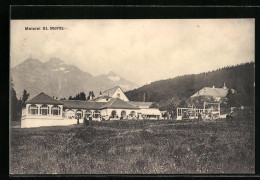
123,114
178,112
44,110
56,110
33,109
88,113
118,95
70,114
132,114
96,114
113,114
79,114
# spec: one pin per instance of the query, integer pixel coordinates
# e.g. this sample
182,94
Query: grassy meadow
136,147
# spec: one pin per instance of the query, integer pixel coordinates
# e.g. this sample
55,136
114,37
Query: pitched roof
139,103
117,103
43,98
79,104
111,91
209,91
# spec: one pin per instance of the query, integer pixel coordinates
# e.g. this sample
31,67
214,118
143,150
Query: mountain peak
111,73
32,60
55,60
54,77
30,63
113,76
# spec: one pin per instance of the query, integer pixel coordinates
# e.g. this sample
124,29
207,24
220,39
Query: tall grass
135,147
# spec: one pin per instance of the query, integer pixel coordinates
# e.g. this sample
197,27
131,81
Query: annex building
113,104
216,93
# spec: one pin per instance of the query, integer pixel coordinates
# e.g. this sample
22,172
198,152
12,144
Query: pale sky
139,50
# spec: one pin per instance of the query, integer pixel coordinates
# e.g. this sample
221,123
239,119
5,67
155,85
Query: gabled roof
43,98
79,104
111,91
210,91
139,103
117,103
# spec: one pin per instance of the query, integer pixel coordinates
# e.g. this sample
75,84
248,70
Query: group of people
203,116
210,116
85,120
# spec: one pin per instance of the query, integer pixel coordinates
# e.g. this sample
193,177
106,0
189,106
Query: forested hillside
240,77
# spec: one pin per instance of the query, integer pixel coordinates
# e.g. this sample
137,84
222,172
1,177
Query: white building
216,93
42,110
113,104
115,92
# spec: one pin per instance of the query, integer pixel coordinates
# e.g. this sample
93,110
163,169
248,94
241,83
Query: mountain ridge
61,80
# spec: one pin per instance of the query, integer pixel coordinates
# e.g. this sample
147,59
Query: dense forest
240,78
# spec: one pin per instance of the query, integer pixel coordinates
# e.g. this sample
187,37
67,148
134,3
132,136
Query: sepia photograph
132,96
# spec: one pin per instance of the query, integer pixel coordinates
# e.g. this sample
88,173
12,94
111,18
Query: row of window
180,112
123,114
79,113
55,110
96,114
44,110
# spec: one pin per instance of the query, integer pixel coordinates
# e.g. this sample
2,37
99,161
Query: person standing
86,122
90,118
199,116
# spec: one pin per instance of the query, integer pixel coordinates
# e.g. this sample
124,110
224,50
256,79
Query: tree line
82,96
17,104
241,78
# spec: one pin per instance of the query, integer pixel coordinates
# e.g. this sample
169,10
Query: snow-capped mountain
113,76
58,79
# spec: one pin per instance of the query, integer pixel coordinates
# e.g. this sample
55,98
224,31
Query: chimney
213,87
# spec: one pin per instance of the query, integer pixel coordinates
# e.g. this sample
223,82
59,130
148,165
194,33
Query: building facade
113,104
42,110
216,93
210,100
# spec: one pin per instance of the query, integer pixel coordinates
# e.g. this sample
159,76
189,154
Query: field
136,147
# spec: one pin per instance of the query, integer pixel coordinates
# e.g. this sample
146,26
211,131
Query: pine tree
91,95
25,97
14,102
82,96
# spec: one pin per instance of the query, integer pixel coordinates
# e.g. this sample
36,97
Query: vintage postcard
132,96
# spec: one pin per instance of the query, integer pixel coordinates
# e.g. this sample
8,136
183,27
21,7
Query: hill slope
240,77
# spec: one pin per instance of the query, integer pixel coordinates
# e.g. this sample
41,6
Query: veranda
209,111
